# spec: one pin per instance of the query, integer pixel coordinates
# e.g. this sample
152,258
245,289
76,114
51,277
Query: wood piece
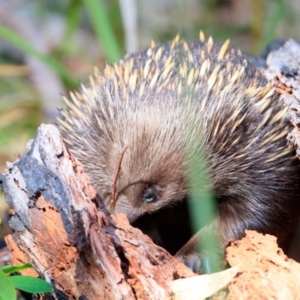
70,242
284,73
265,272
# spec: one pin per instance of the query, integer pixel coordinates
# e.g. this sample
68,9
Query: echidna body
152,104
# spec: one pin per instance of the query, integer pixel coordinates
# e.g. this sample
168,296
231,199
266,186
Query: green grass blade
275,18
103,29
23,45
73,19
202,204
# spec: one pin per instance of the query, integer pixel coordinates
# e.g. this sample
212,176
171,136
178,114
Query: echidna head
152,169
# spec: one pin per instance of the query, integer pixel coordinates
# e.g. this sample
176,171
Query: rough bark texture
265,272
283,71
58,228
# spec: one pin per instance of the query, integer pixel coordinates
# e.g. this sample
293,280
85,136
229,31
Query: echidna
134,118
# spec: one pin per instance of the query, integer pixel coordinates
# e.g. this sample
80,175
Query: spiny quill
153,103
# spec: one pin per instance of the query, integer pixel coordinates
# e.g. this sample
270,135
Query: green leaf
7,290
30,284
15,268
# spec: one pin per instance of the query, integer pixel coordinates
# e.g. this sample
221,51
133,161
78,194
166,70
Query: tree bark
70,242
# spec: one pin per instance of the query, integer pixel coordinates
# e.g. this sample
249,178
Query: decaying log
71,243
265,272
283,72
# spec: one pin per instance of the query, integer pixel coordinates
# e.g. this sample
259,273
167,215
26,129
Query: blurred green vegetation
93,33
20,108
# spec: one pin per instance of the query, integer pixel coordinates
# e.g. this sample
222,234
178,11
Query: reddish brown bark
58,228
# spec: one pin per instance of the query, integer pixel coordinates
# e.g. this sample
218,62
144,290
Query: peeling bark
284,73
58,228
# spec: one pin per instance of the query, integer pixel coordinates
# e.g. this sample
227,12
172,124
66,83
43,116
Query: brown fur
202,95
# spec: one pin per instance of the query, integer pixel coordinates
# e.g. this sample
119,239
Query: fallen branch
71,243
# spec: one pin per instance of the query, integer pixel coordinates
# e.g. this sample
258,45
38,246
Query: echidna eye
150,194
